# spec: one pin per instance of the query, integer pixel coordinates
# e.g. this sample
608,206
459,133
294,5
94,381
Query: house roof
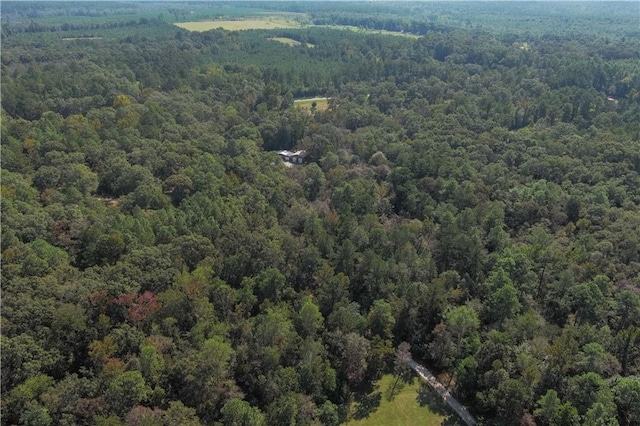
302,153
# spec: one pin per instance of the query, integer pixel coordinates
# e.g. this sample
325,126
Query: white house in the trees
296,157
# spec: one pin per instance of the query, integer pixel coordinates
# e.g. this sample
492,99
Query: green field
415,404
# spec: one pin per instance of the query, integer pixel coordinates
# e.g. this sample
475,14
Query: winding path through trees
428,377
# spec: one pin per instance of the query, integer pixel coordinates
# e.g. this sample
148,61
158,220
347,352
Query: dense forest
472,190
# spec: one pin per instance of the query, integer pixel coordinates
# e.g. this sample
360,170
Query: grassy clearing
322,104
290,42
241,24
413,405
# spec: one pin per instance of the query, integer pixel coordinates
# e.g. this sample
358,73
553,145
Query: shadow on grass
395,387
367,405
429,397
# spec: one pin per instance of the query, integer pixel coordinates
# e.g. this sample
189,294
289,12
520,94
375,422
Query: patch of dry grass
241,24
271,22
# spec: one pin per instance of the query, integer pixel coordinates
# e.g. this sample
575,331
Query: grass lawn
414,404
242,24
322,104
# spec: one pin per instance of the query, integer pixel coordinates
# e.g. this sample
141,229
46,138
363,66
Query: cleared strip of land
80,38
432,381
291,42
366,31
311,100
237,25
322,104
275,22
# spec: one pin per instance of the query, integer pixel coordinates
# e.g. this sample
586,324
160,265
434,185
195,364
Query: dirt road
460,409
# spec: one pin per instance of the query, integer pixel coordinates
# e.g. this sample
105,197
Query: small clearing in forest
322,104
413,404
291,42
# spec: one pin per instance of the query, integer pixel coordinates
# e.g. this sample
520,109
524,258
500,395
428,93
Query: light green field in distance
322,104
241,24
289,41
413,405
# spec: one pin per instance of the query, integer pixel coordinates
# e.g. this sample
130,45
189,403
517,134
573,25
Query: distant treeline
36,27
